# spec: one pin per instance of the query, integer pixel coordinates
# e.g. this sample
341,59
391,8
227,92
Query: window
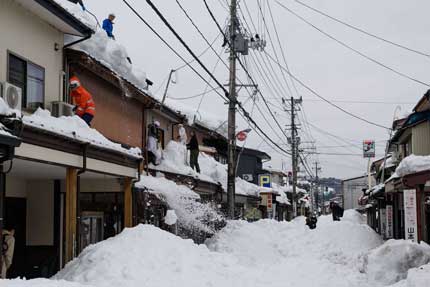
30,78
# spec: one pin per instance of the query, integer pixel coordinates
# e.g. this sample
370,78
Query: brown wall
118,118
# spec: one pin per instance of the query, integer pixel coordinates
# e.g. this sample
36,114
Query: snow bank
264,253
390,262
74,128
191,214
212,171
417,277
148,256
413,164
41,283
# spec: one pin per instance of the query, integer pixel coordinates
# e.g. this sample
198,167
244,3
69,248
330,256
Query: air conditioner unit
60,109
12,95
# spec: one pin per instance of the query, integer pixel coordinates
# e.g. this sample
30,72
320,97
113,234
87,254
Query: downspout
78,193
65,67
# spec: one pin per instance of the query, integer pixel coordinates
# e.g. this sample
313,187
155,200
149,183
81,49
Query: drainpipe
65,68
78,193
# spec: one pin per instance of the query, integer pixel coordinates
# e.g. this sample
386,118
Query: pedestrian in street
8,248
85,107
193,146
311,220
152,143
336,211
108,25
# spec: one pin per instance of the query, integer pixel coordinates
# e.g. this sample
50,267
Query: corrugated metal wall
421,139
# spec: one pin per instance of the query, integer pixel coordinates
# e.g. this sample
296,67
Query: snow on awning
75,128
413,164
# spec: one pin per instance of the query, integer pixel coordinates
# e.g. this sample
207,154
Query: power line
201,54
195,96
327,101
244,112
353,49
362,30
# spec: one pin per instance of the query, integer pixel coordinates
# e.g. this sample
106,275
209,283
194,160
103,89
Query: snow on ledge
75,128
413,164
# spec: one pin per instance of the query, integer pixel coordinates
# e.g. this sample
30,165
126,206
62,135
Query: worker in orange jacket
85,107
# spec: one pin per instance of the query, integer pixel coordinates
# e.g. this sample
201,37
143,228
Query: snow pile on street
390,262
212,171
41,283
417,277
148,256
413,164
75,128
191,214
264,253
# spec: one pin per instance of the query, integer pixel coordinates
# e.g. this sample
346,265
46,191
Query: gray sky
333,71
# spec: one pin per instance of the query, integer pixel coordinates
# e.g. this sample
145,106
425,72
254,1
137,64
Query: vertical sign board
383,221
368,148
410,205
389,217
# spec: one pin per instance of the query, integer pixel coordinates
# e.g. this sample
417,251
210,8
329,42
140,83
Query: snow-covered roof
211,170
76,129
413,164
375,190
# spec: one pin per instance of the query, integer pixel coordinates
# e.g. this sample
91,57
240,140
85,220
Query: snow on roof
203,117
413,164
376,189
107,51
212,171
162,186
185,202
74,128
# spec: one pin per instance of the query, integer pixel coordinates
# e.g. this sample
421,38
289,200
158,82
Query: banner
410,205
389,217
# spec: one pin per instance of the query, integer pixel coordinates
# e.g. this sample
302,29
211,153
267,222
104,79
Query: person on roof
108,25
193,146
85,107
152,143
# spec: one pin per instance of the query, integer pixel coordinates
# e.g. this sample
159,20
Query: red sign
241,136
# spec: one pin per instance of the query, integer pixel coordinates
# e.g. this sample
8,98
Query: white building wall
29,37
352,190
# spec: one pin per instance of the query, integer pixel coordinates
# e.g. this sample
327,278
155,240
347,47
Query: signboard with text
368,148
410,206
389,218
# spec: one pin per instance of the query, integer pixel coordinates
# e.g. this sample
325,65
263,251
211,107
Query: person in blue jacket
108,25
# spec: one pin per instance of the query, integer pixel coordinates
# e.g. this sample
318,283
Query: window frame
24,94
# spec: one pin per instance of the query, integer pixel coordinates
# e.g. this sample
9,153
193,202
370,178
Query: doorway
16,216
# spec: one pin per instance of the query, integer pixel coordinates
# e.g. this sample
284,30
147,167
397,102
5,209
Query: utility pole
231,181
294,141
317,169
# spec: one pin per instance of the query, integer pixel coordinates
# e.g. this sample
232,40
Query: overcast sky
330,69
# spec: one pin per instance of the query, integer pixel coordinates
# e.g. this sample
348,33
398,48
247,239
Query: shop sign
389,217
410,206
369,148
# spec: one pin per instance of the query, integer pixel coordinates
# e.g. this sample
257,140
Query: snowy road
265,253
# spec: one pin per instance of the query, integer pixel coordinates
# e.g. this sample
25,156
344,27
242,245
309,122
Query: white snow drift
265,253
